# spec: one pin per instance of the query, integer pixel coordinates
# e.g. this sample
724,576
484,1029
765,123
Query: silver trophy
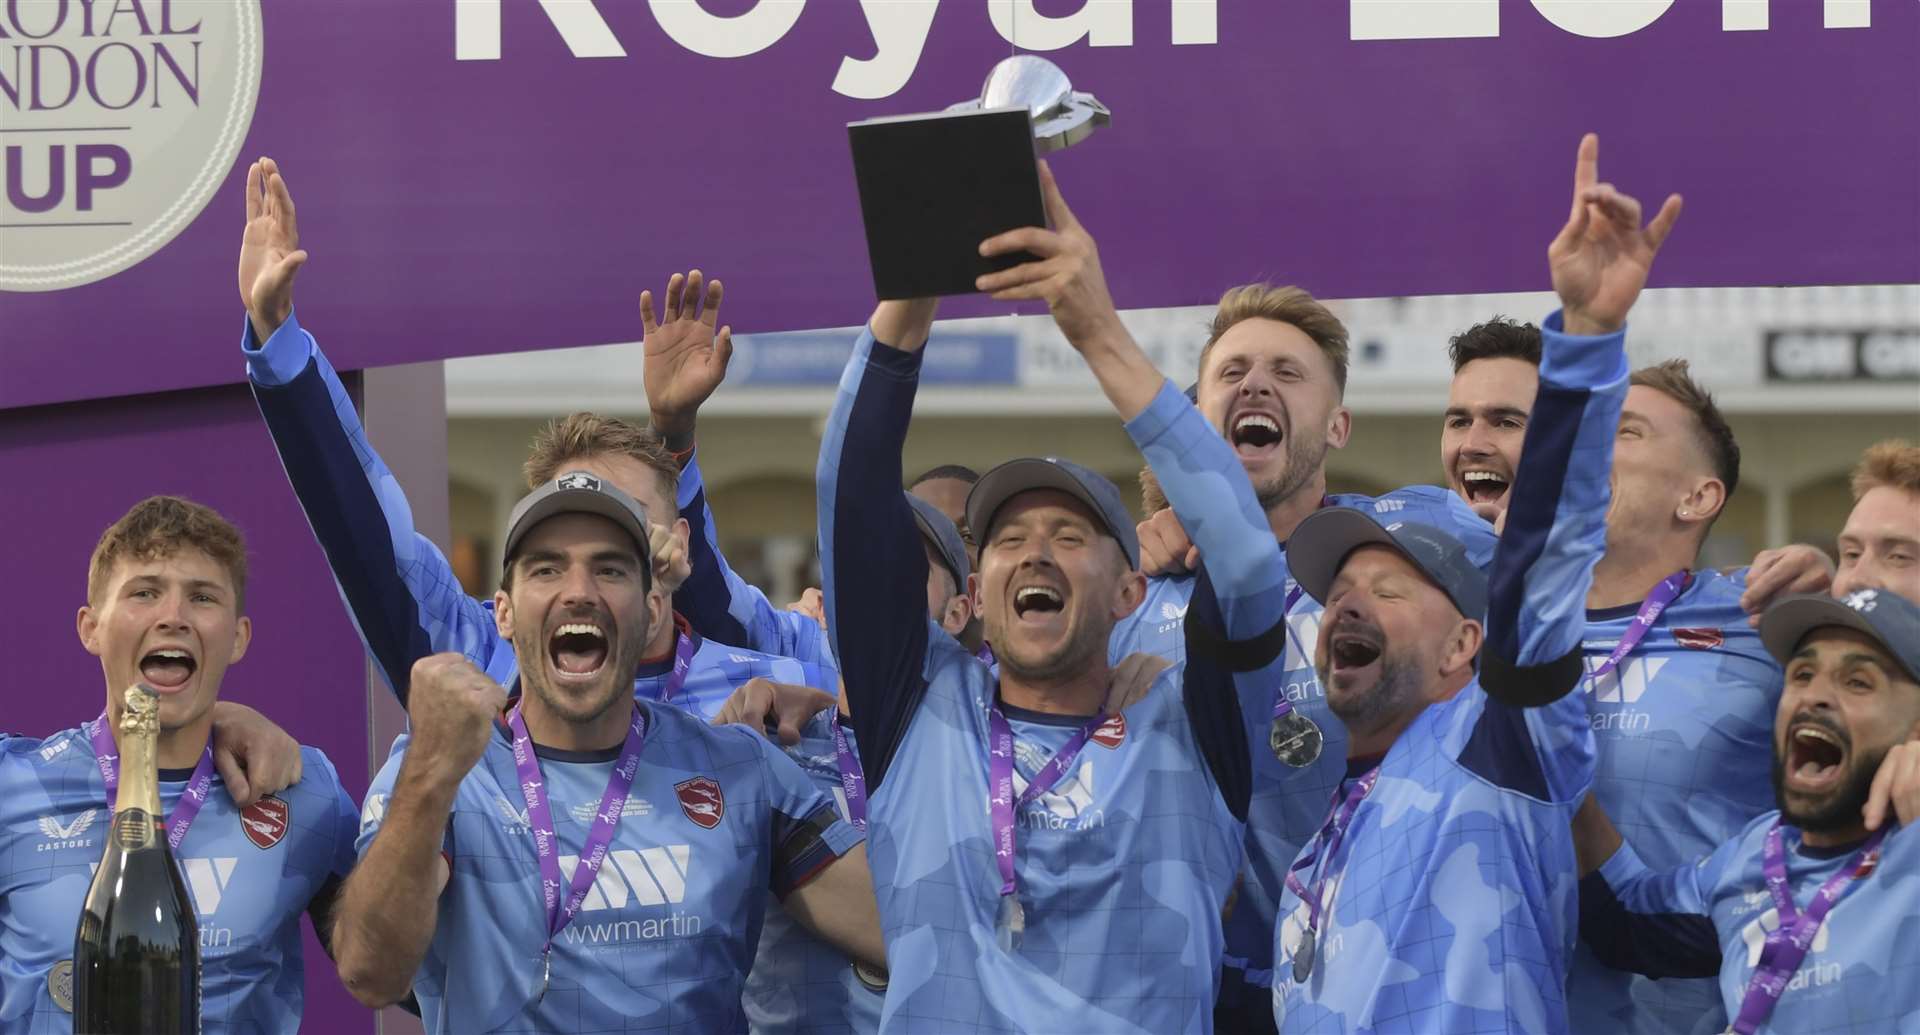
1062,116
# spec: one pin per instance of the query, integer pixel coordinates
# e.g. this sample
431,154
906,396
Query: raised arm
386,914
873,566
1242,621
399,589
1556,529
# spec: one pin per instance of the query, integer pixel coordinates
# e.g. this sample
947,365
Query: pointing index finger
1586,170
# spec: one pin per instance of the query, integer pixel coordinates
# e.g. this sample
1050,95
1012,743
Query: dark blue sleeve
873,566
1528,731
1649,923
704,597
318,452
1213,709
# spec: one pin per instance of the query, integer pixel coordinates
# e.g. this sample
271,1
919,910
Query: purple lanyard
1281,706
985,654
853,779
599,836
1000,770
1650,611
1787,944
1332,832
683,650
106,756
612,804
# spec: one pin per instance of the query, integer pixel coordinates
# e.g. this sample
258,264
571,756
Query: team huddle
1499,756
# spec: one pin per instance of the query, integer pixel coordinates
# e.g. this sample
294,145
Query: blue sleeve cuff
1621,867
1154,421
1580,360
282,358
690,483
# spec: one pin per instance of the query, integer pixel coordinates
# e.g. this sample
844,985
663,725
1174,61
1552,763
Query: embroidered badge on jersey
702,801
265,821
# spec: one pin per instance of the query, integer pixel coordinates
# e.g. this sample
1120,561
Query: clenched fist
452,705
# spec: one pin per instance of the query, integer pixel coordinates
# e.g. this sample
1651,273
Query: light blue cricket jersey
1287,804
716,819
1861,975
1124,866
251,874
1450,906
1685,731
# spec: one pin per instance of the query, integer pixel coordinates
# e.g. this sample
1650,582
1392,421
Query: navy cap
577,492
1010,479
940,531
1888,619
1319,548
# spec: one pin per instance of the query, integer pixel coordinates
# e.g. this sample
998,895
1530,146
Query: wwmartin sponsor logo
208,879
644,877
1627,683
1068,805
54,750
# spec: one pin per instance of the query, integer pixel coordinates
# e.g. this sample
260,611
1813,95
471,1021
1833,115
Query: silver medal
873,979
1303,957
1013,922
60,985
1295,740
546,973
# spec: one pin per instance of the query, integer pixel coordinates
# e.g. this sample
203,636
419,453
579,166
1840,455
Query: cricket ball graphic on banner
117,123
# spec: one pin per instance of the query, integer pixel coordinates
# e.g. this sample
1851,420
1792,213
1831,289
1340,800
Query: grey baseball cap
1010,479
1888,619
1320,546
940,531
577,492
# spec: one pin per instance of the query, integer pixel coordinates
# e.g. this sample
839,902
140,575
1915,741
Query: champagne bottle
136,955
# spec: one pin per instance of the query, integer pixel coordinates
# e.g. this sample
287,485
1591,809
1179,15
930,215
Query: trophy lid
1062,116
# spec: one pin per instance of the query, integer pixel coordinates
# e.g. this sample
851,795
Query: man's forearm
838,905
386,914
1126,375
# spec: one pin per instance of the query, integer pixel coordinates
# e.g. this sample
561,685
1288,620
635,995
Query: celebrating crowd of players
1498,756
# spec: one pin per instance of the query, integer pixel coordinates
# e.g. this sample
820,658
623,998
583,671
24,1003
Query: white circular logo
117,123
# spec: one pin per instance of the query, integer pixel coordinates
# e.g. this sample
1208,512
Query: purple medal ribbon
1281,706
1650,611
1332,832
1000,771
612,802
106,756
853,779
1786,945
683,651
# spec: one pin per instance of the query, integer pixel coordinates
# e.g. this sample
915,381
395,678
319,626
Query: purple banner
494,175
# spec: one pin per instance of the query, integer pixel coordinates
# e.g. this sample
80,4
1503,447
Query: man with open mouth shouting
1437,893
594,861
166,606
1809,917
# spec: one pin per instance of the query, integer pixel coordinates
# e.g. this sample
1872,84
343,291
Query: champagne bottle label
135,829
